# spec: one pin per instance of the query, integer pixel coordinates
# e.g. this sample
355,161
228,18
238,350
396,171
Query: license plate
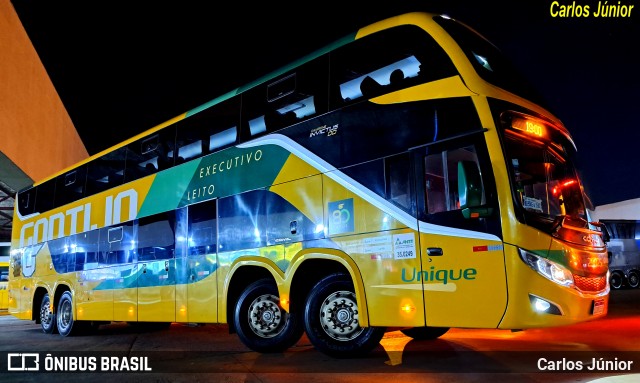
599,306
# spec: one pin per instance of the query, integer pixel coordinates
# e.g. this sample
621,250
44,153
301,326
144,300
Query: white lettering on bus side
73,214
229,164
117,206
59,217
46,229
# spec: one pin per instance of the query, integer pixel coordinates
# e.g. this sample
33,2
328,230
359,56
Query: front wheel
261,323
633,279
425,333
331,319
47,315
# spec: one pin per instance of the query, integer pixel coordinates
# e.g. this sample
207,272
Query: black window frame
202,126
107,171
304,87
454,218
145,235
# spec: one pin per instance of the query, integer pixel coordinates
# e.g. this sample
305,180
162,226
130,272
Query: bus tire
633,279
616,280
261,323
64,315
425,333
47,315
331,319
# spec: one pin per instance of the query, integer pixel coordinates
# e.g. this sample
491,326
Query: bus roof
411,17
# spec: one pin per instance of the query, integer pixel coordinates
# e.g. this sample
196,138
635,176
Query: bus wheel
261,323
65,315
425,333
633,279
616,280
47,315
331,319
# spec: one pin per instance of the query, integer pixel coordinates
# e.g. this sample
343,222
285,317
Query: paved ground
208,353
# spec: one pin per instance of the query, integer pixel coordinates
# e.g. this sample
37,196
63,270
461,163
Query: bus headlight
548,269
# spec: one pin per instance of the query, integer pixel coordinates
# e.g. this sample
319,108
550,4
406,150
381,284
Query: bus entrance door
463,271
464,281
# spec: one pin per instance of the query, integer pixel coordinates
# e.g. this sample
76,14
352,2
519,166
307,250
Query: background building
37,137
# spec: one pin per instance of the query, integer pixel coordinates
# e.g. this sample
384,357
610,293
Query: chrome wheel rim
266,318
64,315
46,315
339,316
616,281
633,280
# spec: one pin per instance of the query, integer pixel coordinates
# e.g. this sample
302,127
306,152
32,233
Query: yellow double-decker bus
4,276
403,177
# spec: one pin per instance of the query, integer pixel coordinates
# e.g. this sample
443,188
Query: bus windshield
489,62
545,181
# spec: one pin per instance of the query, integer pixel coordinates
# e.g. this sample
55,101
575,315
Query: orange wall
36,132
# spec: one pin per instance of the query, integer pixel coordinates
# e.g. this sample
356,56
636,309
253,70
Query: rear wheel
331,319
425,333
633,279
47,315
64,315
261,323
616,280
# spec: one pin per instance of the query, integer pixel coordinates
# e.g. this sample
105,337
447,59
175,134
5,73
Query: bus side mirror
606,236
605,233
470,191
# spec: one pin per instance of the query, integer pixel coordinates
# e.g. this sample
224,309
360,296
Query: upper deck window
209,130
293,97
388,75
386,61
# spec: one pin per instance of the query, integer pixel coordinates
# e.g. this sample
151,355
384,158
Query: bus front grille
590,284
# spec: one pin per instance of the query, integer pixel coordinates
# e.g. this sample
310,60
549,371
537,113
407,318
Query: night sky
120,70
